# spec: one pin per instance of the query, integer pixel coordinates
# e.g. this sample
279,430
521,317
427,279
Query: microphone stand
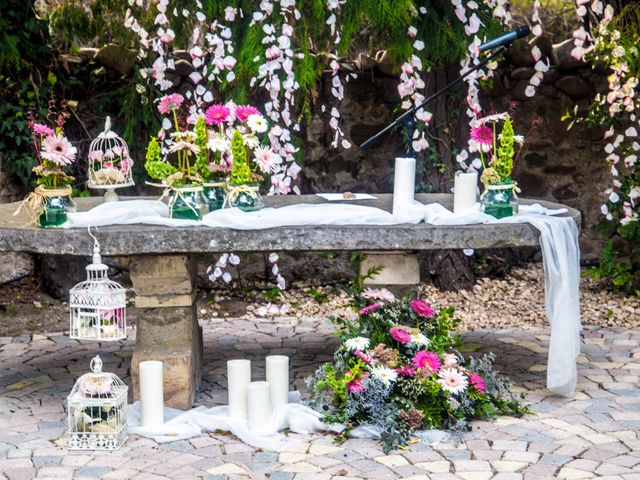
408,118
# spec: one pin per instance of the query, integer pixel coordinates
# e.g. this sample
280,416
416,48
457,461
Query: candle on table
278,378
465,192
259,405
238,377
151,393
404,184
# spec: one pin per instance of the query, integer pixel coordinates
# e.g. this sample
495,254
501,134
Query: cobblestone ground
595,434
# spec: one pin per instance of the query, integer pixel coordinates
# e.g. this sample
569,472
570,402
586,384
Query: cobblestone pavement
595,434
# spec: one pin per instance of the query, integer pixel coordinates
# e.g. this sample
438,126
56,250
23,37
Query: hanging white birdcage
110,165
97,306
96,408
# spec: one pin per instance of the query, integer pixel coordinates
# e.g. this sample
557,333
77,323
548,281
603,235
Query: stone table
163,267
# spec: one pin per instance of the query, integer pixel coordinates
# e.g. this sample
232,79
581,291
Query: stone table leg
168,329
399,269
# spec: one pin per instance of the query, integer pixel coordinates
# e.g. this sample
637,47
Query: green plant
240,172
318,295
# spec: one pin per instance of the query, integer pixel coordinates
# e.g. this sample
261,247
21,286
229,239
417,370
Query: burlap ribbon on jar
36,201
179,193
235,191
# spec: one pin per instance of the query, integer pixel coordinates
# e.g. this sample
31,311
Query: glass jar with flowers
186,200
499,198
51,200
232,141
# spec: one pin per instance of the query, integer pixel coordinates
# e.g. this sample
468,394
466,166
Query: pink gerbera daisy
381,294
40,129
57,149
267,160
406,371
357,385
216,114
365,357
477,382
427,360
168,103
452,380
483,135
400,334
243,112
370,308
422,308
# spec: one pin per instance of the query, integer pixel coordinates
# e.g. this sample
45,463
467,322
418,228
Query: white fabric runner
298,418
559,242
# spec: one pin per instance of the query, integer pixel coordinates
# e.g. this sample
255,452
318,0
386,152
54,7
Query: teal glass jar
187,203
500,200
215,194
52,206
245,197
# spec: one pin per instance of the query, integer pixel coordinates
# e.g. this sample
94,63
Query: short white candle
465,192
259,400
238,377
278,378
404,185
151,393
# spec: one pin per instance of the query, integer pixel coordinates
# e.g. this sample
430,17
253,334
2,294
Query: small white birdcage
110,165
97,306
96,408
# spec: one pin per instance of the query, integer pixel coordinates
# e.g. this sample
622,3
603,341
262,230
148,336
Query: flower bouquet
399,369
51,199
179,175
232,139
499,198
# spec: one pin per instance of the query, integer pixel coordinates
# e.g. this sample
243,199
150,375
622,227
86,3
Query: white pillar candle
404,185
259,405
465,192
238,377
151,393
278,378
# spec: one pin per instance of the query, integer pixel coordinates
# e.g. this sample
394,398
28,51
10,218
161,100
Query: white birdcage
110,165
97,306
96,408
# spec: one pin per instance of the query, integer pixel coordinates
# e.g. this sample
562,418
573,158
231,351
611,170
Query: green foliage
240,172
156,168
503,163
202,157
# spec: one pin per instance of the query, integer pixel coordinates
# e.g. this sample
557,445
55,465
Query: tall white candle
259,403
238,377
151,393
278,378
465,192
404,185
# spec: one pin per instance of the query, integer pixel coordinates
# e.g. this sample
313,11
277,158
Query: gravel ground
516,300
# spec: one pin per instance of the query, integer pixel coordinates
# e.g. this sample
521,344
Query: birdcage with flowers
110,165
96,409
97,306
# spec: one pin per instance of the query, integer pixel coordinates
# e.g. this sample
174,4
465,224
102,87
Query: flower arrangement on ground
399,369
497,155
52,197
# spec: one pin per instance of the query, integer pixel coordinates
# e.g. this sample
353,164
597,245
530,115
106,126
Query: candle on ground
259,405
404,185
278,378
465,192
151,393
238,377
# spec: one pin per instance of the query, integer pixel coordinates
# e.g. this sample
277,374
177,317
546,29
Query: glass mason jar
215,194
187,203
245,197
55,205
499,199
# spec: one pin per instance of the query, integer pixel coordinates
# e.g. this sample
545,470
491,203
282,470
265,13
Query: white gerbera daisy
449,359
418,338
218,143
250,140
452,380
357,343
257,123
384,374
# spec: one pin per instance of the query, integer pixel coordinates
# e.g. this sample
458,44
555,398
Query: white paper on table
561,261
336,197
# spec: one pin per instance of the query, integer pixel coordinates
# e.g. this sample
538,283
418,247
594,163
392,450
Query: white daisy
218,143
267,160
452,380
449,359
250,140
257,123
357,343
418,338
384,374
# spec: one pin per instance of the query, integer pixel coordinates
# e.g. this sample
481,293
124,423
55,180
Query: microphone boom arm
407,117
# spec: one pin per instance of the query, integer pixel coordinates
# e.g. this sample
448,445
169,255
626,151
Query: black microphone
506,38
